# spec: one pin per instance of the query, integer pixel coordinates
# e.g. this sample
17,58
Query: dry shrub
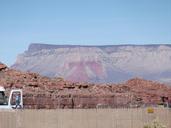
155,124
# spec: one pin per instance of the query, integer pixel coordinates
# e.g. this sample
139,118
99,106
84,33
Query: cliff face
99,64
43,92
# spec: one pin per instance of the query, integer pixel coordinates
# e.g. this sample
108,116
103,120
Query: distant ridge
99,64
39,46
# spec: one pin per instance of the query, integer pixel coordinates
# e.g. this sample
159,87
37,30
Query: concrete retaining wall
83,118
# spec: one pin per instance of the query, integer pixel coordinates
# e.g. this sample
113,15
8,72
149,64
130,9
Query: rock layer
43,92
98,64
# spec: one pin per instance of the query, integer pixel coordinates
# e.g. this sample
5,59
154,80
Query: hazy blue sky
81,22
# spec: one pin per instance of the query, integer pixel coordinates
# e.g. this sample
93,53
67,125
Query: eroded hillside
43,92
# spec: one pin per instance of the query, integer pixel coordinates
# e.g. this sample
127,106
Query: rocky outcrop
43,92
98,64
2,66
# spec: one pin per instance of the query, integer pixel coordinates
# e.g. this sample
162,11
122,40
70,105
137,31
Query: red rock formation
43,92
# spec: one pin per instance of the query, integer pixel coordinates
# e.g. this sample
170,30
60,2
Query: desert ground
83,118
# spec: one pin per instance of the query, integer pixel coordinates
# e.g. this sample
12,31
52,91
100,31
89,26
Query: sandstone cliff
98,64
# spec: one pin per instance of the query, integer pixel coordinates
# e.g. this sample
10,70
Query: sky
83,22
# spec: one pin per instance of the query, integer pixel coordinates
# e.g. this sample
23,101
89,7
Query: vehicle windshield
3,99
16,98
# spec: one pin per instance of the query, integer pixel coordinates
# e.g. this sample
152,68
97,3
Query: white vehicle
14,101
